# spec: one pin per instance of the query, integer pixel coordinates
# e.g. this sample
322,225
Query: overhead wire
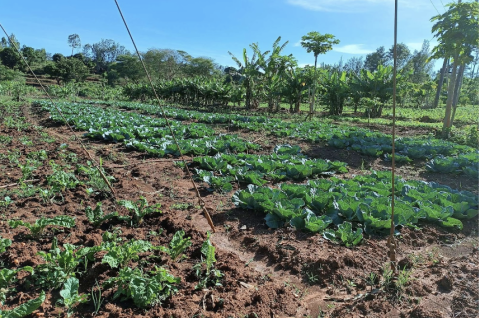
59,111
197,192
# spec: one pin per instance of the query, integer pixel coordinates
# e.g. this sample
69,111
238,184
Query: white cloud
352,49
350,5
297,43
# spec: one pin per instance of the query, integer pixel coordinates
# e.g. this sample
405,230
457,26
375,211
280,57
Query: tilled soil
267,273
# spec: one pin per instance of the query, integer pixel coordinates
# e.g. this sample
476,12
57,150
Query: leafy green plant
6,202
178,245
37,228
94,177
344,234
8,277
205,271
41,155
138,210
61,180
24,309
58,267
4,243
28,168
47,195
145,291
121,255
70,296
96,216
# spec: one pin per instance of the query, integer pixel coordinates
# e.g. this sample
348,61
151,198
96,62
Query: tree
103,53
165,63
67,70
318,44
10,58
335,90
127,67
296,85
373,60
57,57
457,34
74,41
403,55
250,70
376,86
440,82
354,65
420,65
274,67
200,66
4,42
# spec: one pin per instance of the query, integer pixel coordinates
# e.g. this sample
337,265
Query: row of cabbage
443,156
145,133
286,163
364,202
332,206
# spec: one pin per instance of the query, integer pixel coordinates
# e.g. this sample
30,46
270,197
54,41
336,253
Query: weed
371,280
434,255
38,155
96,299
24,140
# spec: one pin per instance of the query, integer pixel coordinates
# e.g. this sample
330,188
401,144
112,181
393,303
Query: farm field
301,215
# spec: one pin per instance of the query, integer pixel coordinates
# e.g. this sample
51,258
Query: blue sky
212,28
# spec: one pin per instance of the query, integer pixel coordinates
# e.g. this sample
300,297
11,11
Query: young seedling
121,255
178,245
4,243
70,296
96,216
210,276
138,210
145,291
37,228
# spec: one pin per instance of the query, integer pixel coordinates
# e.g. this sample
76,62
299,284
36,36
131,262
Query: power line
435,6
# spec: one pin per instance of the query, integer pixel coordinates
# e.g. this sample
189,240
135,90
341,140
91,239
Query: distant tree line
273,78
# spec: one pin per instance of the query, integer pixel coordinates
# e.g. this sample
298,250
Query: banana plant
335,90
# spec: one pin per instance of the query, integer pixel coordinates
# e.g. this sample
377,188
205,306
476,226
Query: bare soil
268,273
